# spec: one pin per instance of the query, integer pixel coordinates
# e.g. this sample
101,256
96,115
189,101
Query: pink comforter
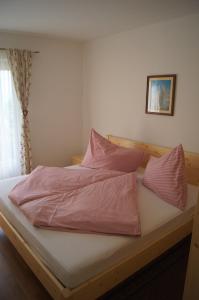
86,200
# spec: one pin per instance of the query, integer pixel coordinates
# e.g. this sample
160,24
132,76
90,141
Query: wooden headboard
191,158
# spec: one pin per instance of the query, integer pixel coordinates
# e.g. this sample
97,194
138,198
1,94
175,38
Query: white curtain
10,123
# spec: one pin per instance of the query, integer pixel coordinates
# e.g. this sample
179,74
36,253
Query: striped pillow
102,154
165,176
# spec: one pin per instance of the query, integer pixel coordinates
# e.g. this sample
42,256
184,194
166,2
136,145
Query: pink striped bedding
85,200
165,176
102,154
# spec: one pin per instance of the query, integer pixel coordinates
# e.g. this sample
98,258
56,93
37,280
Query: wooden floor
163,279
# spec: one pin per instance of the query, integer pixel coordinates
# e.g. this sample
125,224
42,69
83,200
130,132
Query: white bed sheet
75,257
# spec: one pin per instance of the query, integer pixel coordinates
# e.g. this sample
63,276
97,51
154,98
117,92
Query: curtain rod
31,51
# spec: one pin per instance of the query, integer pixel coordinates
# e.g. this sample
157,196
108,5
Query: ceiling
88,19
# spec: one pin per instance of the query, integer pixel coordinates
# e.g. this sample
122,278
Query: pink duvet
86,200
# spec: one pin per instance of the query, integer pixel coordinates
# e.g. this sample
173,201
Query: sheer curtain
10,123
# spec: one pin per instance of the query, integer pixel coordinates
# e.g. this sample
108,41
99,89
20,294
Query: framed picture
160,94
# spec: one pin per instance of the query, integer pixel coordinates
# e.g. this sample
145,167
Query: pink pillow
165,176
102,154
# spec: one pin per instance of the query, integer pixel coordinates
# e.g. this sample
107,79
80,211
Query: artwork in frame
160,94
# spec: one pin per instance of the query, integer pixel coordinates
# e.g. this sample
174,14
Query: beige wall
115,72
55,113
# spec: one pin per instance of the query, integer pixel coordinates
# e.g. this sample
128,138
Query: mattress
75,257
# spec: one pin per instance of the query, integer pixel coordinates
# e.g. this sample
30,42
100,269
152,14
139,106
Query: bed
105,260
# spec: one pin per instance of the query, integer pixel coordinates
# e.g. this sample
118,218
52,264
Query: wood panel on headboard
191,158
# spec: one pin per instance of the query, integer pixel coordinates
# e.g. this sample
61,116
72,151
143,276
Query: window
10,123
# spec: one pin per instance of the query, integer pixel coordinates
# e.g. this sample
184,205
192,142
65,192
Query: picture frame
160,94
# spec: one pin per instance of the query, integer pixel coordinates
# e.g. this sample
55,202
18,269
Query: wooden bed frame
106,280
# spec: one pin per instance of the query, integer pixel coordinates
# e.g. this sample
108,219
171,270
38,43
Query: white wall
55,113
115,72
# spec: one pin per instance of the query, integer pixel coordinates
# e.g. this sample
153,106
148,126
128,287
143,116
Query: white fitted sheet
75,257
